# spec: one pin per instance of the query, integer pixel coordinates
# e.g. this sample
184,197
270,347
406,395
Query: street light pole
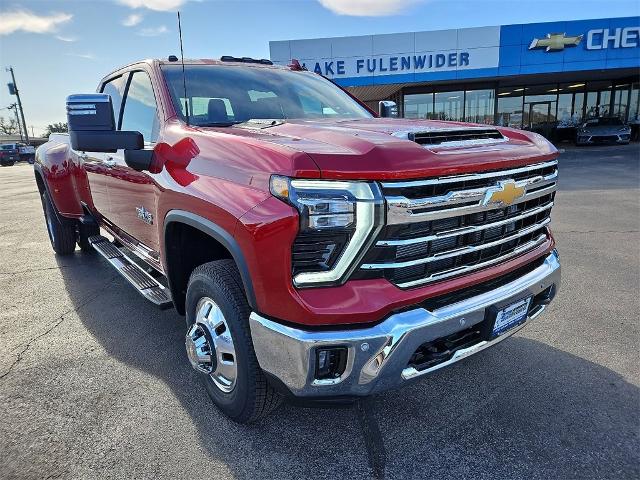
15,86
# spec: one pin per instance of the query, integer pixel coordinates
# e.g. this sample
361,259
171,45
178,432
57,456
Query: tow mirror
388,109
92,127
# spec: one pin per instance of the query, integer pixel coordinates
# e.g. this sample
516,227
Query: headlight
338,222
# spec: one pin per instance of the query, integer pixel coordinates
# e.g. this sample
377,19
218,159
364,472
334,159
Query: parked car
317,250
9,154
603,130
26,153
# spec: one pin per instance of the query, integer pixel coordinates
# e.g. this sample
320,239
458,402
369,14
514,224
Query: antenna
184,78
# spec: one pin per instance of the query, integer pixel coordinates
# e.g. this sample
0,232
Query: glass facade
449,105
479,106
634,103
418,106
510,107
553,110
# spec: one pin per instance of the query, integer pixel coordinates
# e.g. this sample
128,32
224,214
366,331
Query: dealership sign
415,63
602,38
394,54
597,39
468,52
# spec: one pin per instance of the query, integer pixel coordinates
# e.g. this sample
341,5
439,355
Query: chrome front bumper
378,356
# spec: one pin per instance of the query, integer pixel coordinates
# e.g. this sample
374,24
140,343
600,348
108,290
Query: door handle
110,162
84,156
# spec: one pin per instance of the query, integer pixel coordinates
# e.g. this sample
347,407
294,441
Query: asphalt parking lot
94,382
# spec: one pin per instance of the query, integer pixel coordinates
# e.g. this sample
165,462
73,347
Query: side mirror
388,109
92,127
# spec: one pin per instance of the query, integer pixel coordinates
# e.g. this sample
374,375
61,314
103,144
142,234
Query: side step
148,286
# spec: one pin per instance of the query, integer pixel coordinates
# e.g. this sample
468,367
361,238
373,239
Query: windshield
227,94
604,121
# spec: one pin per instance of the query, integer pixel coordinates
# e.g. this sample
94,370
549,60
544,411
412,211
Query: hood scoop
455,138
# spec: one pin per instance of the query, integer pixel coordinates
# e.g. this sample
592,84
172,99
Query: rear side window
115,88
140,109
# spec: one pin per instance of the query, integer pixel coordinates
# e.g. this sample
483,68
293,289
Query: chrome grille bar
464,230
401,209
525,247
458,251
444,227
470,177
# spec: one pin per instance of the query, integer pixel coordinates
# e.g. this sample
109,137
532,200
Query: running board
148,286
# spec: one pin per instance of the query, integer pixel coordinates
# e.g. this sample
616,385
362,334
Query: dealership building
545,77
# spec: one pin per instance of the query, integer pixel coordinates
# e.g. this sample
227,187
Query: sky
60,47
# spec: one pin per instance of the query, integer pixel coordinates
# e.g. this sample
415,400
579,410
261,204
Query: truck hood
383,149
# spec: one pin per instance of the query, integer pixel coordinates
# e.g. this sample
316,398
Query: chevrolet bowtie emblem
555,42
504,193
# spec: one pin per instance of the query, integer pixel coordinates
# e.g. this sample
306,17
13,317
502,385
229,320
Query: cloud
27,21
157,5
153,31
132,20
367,8
87,56
64,38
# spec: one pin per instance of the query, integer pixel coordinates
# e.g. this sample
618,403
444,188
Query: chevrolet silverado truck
318,250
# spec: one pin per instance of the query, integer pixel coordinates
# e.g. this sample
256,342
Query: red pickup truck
317,249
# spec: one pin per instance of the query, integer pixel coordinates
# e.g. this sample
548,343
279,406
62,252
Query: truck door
133,195
95,164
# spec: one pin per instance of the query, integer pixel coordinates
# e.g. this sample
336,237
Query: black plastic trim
222,236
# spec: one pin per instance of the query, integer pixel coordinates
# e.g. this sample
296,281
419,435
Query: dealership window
418,106
540,109
448,105
570,105
509,112
598,100
634,103
565,106
479,106
620,101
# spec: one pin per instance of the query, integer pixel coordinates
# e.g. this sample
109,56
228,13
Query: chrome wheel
210,346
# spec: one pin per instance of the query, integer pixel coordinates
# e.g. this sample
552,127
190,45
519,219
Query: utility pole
17,94
14,107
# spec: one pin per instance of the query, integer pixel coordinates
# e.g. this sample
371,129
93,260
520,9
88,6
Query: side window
140,109
115,88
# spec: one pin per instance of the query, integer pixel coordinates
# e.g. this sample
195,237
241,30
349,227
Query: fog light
330,362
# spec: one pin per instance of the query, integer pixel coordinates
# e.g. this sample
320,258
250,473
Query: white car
25,152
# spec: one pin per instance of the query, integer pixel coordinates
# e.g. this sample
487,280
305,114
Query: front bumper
586,139
378,356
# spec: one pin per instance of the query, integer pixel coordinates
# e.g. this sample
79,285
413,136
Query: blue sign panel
466,53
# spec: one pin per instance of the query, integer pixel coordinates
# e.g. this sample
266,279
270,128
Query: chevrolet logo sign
504,193
555,42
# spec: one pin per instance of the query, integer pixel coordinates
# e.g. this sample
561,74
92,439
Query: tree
8,127
60,127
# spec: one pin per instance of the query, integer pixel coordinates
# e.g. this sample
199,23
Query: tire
251,397
62,235
84,232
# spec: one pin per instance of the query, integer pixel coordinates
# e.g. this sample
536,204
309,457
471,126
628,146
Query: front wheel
62,235
219,343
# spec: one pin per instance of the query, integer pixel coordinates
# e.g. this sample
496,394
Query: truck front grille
449,226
